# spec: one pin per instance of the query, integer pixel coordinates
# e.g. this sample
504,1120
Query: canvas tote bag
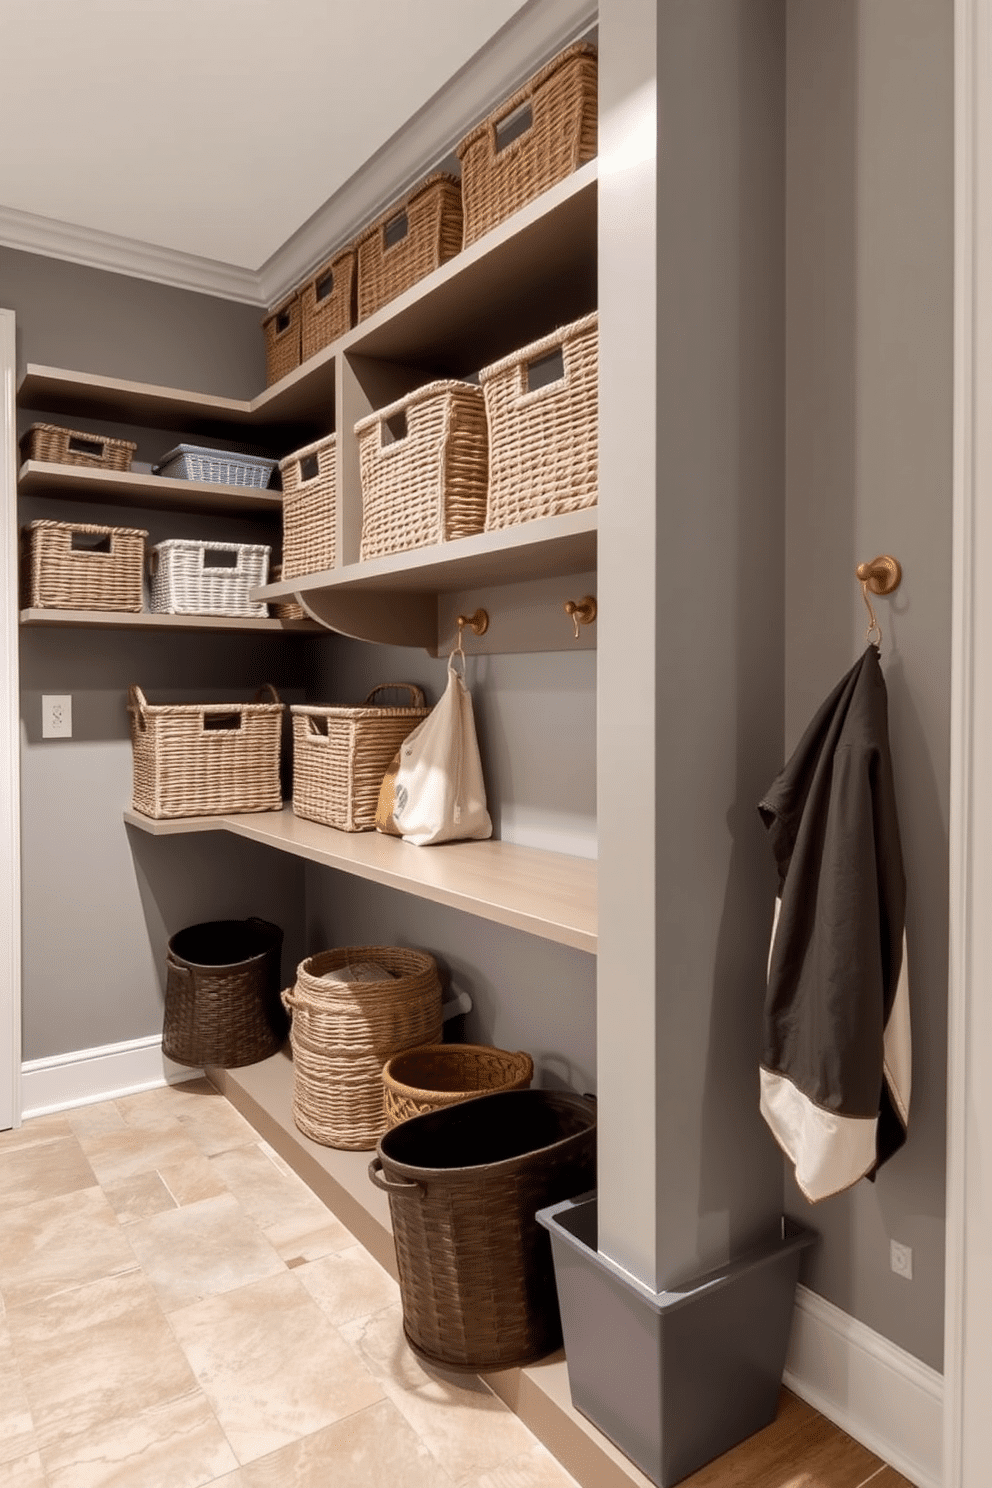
433,791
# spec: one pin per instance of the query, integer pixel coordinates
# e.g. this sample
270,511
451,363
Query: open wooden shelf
133,488
547,894
130,620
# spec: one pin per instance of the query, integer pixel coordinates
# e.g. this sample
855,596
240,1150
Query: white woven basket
202,578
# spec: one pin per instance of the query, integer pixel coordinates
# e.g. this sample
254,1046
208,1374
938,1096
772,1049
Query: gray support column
691,633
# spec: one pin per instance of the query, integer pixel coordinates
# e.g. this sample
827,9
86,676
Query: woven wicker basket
439,1075
475,1268
309,501
537,137
283,609
222,1003
544,435
282,329
79,566
205,759
423,469
327,302
343,1033
197,462
340,756
409,241
201,578
69,447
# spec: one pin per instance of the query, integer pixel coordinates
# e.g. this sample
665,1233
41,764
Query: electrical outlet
901,1257
56,716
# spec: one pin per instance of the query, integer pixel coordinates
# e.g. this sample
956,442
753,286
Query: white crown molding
875,1391
523,45
88,1075
118,255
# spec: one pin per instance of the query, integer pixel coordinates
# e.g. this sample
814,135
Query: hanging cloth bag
433,791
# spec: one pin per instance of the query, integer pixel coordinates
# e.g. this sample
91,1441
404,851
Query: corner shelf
550,895
144,620
133,488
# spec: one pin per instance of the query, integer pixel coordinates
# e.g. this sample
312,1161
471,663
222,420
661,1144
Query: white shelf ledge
547,894
133,488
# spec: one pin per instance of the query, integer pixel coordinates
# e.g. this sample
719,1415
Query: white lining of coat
829,1152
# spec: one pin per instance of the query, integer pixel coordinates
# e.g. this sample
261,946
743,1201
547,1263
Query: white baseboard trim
88,1075
872,1389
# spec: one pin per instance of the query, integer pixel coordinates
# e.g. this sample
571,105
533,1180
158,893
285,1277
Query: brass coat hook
477,622
582,611
882,575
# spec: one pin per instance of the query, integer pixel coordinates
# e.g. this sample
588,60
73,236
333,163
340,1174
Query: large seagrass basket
342,1034
409,241
309,495
83,566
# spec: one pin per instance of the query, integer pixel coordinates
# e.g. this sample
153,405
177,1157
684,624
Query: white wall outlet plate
56,716
901,1257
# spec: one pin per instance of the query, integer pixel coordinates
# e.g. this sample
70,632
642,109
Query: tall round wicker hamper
222,1004
465,1183
343,1032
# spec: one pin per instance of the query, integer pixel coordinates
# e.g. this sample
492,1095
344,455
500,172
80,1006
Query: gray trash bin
674,1378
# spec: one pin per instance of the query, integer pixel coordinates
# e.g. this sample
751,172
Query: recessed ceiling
214,127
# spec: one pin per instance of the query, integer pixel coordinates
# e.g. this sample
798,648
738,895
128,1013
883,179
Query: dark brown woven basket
476,1274
439,1075
412,239
222,1003
534,139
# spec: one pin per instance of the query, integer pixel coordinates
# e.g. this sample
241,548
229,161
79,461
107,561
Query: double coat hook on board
580,611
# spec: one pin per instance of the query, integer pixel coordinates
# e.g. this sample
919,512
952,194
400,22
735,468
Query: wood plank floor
801,1449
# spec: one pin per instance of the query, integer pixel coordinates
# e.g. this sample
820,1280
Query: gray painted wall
869,317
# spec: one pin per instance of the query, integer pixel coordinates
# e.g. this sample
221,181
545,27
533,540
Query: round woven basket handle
289,999
136,699
417,699
267,687
391,1185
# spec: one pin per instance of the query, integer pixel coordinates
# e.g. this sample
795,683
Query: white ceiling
213,127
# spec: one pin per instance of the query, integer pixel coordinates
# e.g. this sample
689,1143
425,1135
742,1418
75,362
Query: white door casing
10,794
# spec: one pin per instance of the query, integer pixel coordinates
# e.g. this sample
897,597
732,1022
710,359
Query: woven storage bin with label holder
202,578
437,1075
423,469
195,462
409,241
70,447
282,329
343,1032
309,496
222,1002
205,759
327,302
537,137
340,756
543,407
80,566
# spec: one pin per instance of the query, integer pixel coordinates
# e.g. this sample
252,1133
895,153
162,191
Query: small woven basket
201,578
475,1268
197,462
423,469
542,404
342,1034
205,759
222,1003
327,302
80,566
309,500
69,447
409,241
282,329
438,1075
340,756
537,137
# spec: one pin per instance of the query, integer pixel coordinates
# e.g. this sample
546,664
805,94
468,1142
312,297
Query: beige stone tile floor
178,1309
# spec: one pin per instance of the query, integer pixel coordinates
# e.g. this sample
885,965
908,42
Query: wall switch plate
901,1257
56,716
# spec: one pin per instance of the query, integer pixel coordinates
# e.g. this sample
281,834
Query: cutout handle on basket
395,230
318,726
283,321
91,542
515,124
215,722
392,1185
545,370
393,429
80,446
309,467
324,286
219,558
